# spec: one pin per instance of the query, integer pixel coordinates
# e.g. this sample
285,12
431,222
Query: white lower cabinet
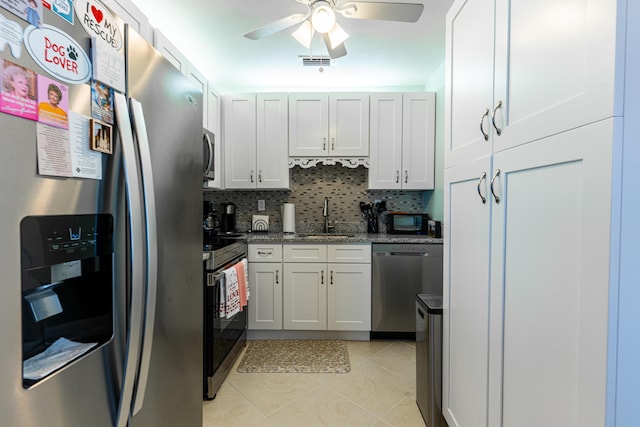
265,285
327,287
526,283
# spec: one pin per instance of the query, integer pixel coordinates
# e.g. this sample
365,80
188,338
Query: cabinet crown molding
310,162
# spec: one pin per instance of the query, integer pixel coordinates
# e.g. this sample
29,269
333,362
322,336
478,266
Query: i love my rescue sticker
98,22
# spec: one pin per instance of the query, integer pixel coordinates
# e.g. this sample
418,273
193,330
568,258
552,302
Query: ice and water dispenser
67,290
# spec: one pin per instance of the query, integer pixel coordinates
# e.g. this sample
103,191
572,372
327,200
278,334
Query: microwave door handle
142,137
210,163
135,275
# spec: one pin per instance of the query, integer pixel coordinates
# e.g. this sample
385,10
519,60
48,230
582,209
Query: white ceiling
381,54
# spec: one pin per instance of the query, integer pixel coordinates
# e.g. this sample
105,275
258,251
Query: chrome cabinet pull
495,196
333,144
397,176
482,178
406,176
493,118
265,252
322,277
260,175
277,279
331,278
251,175
485,134
324,144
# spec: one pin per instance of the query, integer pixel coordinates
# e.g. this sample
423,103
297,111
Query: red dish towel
243,284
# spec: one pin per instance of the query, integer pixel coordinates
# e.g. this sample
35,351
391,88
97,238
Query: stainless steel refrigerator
114,263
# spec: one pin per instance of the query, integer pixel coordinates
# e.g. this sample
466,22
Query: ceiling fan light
323,17
337,35
304,34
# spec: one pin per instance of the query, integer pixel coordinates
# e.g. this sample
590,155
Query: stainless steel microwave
208,161
407,223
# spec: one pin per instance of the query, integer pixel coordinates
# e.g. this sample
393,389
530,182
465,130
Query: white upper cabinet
213,111
173,55
402,141
334,124
271,141
554,67
213,124
255,141
170,51
468,102
550,67
133,16
239,133
200,81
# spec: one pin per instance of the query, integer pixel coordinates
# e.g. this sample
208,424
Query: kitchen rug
296,356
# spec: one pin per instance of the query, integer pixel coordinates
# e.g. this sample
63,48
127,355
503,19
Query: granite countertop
339,238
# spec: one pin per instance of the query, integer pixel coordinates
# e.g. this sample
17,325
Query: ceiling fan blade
404,12
337,52
274,27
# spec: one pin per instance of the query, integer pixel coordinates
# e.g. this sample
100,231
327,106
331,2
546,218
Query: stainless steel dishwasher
399,272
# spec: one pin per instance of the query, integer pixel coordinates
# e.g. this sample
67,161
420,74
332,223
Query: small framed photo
101,137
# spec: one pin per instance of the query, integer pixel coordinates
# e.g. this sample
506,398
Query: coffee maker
210,221
228,218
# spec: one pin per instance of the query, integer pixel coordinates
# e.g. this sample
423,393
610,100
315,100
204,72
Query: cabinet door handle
397,176
333,144
260,175
485,134
482,178
331,277
251,175
495,196
406,176
324,144
265,252
493,118
277,279
322,277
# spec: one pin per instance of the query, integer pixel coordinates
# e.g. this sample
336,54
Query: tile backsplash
344,187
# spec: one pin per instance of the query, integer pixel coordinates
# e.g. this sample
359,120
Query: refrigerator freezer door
86,391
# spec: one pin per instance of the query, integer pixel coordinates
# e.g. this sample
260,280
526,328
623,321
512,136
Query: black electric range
223,247
224,338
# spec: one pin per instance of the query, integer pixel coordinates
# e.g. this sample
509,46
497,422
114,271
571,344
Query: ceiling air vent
316,61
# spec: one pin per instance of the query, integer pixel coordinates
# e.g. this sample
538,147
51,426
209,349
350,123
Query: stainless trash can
429,359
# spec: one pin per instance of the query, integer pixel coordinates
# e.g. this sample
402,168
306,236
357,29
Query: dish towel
243,282
231,292
234,289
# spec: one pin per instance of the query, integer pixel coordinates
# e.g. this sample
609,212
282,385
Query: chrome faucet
325,214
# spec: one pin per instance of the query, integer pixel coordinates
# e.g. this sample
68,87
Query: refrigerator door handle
136,261
142,137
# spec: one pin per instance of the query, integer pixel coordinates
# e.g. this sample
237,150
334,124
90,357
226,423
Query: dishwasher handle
417,254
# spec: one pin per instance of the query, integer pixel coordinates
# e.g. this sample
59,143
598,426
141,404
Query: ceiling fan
321,17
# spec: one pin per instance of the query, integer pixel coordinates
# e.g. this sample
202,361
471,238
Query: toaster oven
407,223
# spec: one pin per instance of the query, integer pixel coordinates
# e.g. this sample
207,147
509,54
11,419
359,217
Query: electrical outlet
261,206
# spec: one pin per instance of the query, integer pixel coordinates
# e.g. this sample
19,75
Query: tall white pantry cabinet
542,201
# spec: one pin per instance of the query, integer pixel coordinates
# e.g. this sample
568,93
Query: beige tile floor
379,391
